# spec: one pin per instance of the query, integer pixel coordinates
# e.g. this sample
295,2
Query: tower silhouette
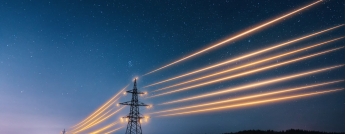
134,126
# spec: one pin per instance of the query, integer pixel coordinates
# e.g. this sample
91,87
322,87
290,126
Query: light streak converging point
113,130
242,34
245,73
250,96
246,86
99,121
100,110
246,55
248,65
104,128
253,102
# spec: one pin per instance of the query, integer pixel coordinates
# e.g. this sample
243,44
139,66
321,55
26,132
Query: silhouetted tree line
290,131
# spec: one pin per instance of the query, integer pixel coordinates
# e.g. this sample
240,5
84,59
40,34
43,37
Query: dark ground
290,131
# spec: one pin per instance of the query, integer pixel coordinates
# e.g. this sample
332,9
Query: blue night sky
60,60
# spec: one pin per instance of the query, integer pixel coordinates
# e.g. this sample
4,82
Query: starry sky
62,59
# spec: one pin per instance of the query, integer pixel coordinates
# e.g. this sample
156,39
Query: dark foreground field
291,131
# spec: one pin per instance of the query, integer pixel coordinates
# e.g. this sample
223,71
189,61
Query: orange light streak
104,128
87,125
245,73
100,110
113,130
100,120
92,119
247,65
255,84
254,102
237,36
245,56
250,96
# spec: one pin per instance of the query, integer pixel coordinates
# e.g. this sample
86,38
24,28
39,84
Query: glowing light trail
92,121
250,96
113,130
87,126
101,109
94,117
253,103
245,73
246,56
99,121
247,65
104,128
255,84
237,36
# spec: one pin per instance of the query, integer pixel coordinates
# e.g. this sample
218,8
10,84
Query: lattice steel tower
134,126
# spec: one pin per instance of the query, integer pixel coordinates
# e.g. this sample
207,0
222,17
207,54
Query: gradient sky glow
62,59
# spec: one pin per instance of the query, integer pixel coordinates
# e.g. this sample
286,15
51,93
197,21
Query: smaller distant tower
63,132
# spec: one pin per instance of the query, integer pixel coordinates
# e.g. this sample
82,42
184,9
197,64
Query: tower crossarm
131,91
142,104
127,103
140,117
133,104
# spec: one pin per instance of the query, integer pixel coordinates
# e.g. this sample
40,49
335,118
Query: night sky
60,60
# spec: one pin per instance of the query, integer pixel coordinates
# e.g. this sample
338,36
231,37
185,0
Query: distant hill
290,131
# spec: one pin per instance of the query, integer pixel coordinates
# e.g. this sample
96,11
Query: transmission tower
134,126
